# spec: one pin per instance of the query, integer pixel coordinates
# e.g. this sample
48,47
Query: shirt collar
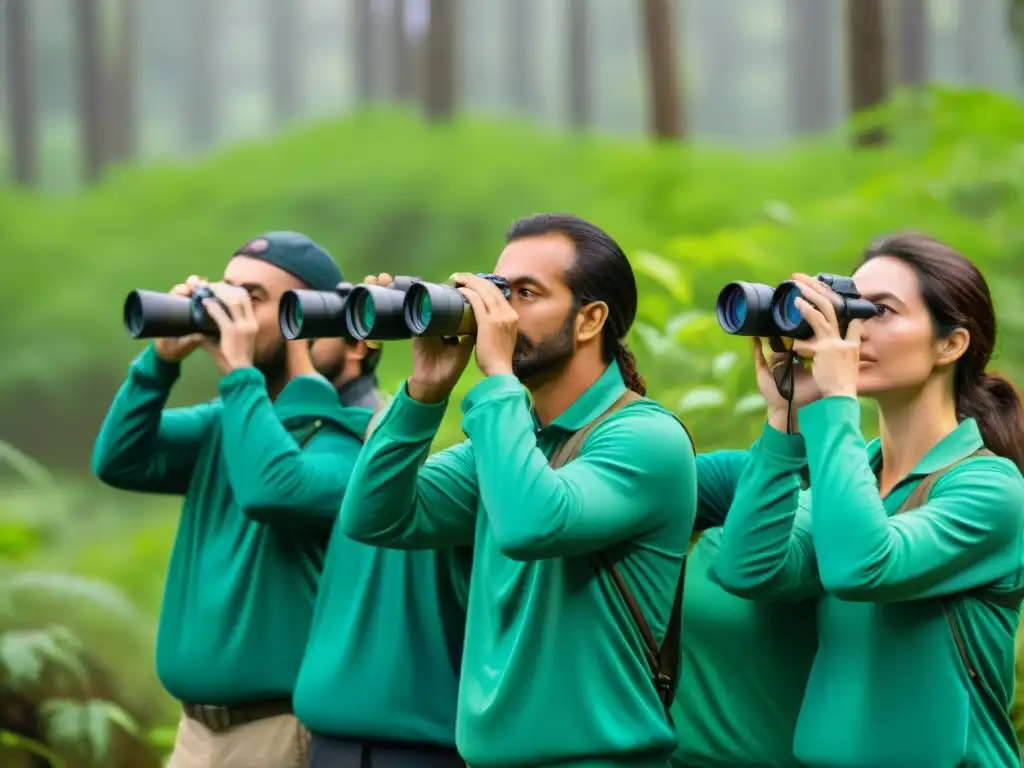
957,445
360,392
593,402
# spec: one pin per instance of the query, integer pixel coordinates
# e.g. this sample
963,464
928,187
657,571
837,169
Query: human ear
590,319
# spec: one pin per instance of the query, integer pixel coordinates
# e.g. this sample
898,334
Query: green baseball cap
297,255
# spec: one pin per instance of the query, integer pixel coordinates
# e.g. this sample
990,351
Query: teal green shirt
254,525
553,666
386,644
744,663
888,687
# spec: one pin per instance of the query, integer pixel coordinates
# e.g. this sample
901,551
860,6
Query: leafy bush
76,680
382,189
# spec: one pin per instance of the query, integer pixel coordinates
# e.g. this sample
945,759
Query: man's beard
533,359
273,363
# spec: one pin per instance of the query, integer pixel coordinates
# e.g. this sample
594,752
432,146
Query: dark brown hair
957,296
600,272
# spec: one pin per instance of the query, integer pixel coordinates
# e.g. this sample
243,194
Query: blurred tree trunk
22,106
404,55
723,60
439,89
283,56
972,39
578,69
868,71
809,64
92,105
1015,23
201,112
912,50
122,117
520,54
666,117
362,45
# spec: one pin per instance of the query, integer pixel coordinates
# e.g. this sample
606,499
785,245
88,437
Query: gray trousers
327,752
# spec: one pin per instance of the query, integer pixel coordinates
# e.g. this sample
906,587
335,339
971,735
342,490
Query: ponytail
627,365
995,404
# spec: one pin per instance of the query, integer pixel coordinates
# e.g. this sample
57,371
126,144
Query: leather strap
222,719
663,661
919,497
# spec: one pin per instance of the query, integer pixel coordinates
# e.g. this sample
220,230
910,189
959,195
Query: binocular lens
784,310
133,319
423,307
363,314
732,312
290,315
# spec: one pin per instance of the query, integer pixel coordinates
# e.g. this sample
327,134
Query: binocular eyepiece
756,309
408,307
152,314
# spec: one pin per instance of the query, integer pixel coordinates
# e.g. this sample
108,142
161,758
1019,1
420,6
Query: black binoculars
152,314
408,307
756,309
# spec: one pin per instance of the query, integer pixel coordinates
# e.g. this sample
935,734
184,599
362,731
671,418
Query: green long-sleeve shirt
888,688
553,665
257,512
744,663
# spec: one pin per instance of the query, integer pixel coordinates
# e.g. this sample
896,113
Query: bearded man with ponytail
577,493
912,544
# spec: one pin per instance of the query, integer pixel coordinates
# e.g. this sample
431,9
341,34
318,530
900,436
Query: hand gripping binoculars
756,309
408,307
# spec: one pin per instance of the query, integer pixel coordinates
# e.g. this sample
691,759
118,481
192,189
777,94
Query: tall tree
578,63
520,53
403,53
868,70
283,56
439,93
22,106
809,63
666,110
362,47
201,114
122,117
92,91
913,28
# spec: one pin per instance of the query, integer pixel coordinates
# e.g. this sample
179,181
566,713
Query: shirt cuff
783,447
240,379
493,388
148,365
821,417
410,420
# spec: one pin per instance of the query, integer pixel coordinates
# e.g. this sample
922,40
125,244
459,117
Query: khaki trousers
274,742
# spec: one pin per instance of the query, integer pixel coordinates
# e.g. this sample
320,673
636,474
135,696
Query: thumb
760,361
853,331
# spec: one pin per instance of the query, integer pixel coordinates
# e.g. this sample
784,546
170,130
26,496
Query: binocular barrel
406,308
155,314
432,309
756,309
308,314
375,312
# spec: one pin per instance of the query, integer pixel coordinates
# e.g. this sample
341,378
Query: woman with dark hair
914,542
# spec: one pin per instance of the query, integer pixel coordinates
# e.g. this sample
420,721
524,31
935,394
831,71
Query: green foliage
383,190
64,641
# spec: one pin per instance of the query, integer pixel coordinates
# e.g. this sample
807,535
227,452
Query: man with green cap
263,469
